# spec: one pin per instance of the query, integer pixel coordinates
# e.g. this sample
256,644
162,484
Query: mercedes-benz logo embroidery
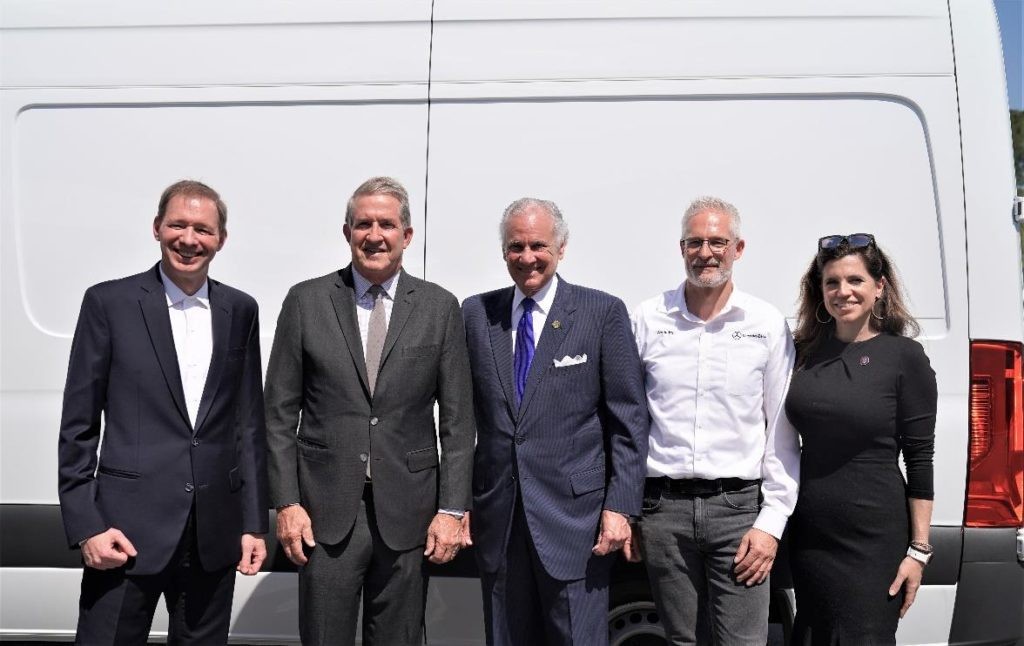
865,360
737,335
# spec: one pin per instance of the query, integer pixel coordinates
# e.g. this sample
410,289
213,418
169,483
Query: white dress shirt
364,301
192,328
716,392
544,299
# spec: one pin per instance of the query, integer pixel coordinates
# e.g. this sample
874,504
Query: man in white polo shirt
724,460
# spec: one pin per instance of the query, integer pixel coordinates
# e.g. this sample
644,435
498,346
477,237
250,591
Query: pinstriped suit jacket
578,442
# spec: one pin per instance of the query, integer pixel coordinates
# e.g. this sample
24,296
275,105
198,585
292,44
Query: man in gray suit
359,359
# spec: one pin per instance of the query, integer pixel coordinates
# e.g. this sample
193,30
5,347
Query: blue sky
1011,24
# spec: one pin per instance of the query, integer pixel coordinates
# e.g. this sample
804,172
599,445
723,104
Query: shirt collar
175,295
362,285
675,303
544,298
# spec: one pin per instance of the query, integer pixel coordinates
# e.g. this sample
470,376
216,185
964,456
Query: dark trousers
117,608
392,586
689,544
525,606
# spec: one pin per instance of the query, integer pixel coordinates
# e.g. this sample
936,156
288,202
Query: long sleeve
283,402
918,396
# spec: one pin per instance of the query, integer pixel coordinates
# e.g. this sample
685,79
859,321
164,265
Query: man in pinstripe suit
562,440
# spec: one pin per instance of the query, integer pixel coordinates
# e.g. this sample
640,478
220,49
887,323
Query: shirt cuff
452,512
771,522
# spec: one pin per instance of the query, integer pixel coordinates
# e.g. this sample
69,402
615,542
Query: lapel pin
556,324
865,360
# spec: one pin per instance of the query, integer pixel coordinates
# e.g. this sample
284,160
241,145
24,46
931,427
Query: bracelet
922,547
918,555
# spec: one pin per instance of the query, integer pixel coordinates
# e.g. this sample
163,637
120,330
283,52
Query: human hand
467,537
909,577
294,528
755,556
254,551
444,537
631,548
613,534
107,550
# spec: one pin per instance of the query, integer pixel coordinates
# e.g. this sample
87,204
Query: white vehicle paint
886,116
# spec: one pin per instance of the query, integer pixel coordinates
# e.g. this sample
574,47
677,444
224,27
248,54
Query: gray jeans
689,543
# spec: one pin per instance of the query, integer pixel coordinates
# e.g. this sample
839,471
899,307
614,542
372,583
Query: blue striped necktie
524,348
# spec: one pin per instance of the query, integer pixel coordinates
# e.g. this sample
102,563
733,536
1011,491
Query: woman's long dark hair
810,332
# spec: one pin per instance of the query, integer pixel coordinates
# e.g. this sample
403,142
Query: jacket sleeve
626,421
251,434
456,421
283,402
84,401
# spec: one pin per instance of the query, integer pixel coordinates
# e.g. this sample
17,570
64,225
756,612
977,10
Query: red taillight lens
995,474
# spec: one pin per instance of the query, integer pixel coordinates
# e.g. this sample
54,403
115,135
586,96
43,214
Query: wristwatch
920,552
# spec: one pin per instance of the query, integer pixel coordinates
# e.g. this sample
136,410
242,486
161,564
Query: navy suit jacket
154,464
578,442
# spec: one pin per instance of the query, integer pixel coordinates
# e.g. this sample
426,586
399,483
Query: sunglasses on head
853,241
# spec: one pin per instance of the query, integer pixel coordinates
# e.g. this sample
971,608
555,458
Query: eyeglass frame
686,244
841,240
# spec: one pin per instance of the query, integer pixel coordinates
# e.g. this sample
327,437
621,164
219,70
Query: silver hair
380,186
523,203
717,204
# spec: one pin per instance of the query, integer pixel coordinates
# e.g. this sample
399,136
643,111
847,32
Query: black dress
856,407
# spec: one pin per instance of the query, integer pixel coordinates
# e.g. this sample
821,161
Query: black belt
700,486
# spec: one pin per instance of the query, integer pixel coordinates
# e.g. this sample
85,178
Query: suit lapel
158,324
344,300
220,313
405,302
559,321
499,318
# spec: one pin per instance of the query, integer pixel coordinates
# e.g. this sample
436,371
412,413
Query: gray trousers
392,586
689,543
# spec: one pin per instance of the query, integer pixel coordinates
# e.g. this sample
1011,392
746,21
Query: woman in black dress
862,392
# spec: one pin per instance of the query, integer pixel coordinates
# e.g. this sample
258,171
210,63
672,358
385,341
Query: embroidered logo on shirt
666,331
748,335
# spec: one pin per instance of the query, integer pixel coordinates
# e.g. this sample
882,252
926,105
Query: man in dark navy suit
174,501
562,440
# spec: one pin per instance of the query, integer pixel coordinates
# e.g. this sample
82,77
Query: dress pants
525,606
116,607
391,584
689,543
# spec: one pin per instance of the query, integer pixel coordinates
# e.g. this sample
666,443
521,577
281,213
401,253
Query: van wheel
635,622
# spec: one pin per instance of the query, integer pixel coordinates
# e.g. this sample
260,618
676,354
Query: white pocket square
567,361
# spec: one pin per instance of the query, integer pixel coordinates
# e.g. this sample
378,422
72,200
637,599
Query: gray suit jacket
317,369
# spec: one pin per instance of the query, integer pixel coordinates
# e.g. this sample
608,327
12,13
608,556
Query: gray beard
720,278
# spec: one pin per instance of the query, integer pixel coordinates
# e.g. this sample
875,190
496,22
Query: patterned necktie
375,336
524,348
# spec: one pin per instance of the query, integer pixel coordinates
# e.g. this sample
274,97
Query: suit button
363,457
520,439
195,441
189,487
373,421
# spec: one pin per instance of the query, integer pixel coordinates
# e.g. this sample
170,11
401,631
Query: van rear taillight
995,473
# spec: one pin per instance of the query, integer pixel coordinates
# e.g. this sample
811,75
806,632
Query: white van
884,116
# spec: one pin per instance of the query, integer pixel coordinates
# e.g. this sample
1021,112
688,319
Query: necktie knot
376,291
528,304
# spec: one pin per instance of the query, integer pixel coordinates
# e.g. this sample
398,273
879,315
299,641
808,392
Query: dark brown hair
810,332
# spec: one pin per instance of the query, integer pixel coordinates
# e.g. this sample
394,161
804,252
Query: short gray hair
717,204
523,203
380,186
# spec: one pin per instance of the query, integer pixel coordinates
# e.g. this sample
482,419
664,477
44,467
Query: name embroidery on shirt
748,335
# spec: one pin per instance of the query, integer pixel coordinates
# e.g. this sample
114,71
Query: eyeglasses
853,241
716,245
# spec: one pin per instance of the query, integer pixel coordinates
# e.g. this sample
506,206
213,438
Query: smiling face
704,267
850,292
532,250
190,236
377,237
